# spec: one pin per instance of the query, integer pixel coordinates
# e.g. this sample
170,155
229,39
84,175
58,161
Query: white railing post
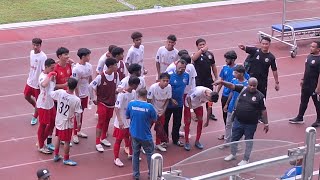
308,160
156,166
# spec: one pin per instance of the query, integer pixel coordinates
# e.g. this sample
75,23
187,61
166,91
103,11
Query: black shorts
207,83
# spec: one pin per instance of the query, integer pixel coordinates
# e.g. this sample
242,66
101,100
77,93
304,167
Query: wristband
191,110
266,124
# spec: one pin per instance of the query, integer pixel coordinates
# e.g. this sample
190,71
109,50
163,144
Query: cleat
105,142
34,121
69,162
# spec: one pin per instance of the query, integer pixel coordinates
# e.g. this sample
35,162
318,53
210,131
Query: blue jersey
141,115
226,74
235,93
178,84
292,173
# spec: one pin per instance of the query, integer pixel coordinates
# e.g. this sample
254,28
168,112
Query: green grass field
30,10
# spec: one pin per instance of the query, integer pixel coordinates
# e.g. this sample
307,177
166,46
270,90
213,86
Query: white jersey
44,100
135,56
125,83
36,67
101,66
67,106
122,102
192,75
82,73
198,96
165,57
159,96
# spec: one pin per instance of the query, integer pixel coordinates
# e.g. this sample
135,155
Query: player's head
252,84
230,57
186,58
135,69
171,41
315,48
200,43
133,82
142,93
111,64
117,53
181,66
36,44
111,47
182,52
84,54
239,71
265,43
49,65
62,54
136,38
164,80
72,83
211,96
43,174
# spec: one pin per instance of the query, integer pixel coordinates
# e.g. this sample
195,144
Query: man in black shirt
248,110
259,62
310,85
204,62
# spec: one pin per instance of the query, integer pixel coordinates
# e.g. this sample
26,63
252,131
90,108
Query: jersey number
64,108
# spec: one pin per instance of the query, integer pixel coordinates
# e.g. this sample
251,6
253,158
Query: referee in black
260,60
310,85
204,64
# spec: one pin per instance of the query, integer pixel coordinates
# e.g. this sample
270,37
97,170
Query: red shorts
47,115
84,102
121,133
30,91
104,112
64,135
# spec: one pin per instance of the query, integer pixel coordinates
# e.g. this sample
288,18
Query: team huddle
60,91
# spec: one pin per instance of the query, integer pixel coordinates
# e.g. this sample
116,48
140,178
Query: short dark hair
240,69
172,37
182,52
110,62
266,38
133,80
83,52
232,55
49,62
200,40
136,35
142,92
37,41
318,43
186,57
164,75
117,51
62,50
72,83
134,68
181,61
111,47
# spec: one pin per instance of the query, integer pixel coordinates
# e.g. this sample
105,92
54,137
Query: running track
223,28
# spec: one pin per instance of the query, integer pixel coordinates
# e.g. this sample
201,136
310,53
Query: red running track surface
223,28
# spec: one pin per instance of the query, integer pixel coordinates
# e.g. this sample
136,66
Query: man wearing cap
193,103
43,174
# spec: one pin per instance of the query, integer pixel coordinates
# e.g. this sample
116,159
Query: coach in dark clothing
248,110
310,85
258,63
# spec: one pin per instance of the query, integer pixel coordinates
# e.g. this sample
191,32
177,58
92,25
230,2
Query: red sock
199,129
56,151
116,148
75,124
41,134
98,141
66,157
